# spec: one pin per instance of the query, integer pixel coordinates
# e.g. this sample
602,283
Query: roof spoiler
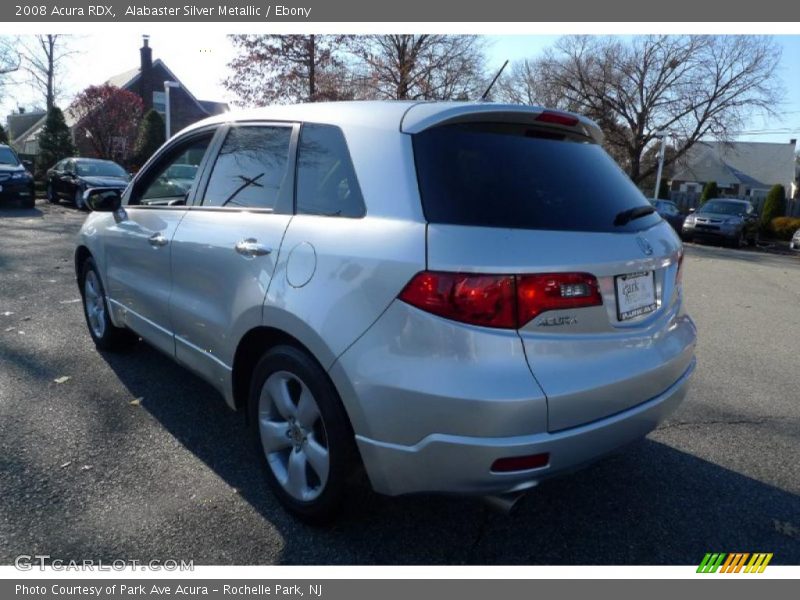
422,116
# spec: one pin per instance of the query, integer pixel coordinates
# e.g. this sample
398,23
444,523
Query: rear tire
52,197
105,334
302,434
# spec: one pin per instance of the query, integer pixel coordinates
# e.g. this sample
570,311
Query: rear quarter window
326,180
516,176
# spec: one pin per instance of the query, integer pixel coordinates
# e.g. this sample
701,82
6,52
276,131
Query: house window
160,102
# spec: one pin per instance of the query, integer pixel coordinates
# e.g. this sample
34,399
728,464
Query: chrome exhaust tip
503,503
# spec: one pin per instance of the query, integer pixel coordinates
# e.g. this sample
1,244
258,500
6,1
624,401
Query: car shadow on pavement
649,504
20,213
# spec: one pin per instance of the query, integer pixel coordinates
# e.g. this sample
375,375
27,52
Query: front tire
302,433
52,197
105,334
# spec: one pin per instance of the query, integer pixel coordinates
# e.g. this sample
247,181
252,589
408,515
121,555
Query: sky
200,62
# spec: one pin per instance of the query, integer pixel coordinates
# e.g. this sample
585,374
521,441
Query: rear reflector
501,301
520,463
557,118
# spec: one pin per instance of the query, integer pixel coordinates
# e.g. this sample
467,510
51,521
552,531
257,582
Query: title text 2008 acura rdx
461,297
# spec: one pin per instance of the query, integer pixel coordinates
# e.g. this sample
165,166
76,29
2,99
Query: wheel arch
252,347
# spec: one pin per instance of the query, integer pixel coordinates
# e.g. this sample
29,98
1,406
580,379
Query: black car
725,219
670,212
71,177
16,182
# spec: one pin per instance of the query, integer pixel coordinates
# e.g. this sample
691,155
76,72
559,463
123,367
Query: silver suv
459,297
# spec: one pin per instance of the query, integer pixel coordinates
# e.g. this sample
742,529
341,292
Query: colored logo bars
735,562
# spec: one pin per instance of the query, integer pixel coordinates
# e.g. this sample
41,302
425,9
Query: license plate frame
638,306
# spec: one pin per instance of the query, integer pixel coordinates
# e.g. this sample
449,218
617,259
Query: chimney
146,53
145,73
793,141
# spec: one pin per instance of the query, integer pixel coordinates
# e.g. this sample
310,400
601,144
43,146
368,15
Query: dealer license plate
636,294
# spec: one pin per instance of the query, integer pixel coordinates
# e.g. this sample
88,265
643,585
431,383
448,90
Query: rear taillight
486,300
557,118
555,291
502,301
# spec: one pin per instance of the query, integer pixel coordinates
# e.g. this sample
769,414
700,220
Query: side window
251,168
169,181
326,180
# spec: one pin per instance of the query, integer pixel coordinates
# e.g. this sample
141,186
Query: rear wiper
626,216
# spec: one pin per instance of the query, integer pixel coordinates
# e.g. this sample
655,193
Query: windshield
100,169
513,175
7,157
721,207
182,171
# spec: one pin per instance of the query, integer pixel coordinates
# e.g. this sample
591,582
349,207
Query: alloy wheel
94,305
293,436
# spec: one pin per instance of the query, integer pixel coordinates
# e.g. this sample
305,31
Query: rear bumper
462,464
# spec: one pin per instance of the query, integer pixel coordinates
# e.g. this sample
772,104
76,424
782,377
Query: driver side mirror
103,199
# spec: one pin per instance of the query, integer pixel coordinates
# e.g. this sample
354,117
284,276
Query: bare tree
44,56
690,86
10,60
429,67
283,68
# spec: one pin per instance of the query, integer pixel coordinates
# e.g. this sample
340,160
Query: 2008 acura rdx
461,297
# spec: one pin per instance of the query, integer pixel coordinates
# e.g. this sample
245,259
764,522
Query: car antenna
496,77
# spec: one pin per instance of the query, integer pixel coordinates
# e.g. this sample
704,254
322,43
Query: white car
795,243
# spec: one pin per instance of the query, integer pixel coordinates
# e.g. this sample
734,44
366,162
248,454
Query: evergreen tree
151,136
55,141
3,135
709,191
774,207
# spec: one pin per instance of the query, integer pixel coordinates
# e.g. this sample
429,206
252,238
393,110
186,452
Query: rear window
506,175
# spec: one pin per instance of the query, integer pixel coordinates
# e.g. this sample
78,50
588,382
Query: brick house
146,81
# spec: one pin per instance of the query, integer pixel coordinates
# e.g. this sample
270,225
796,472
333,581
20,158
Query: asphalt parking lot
134,458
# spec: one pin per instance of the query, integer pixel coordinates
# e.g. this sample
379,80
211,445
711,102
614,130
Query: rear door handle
251,248
157,240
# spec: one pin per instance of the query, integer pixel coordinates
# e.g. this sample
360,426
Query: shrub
784,227
774,206
709,191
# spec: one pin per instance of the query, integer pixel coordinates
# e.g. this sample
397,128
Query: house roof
18,123
754,164
131,76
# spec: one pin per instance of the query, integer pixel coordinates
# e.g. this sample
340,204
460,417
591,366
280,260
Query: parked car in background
729,220
794,244
670,212
182,175
16,182
71,177
424,289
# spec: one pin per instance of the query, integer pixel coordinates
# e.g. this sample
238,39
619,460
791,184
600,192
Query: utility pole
167,110
662,135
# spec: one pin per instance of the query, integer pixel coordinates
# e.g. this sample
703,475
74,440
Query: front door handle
251,248
157,240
